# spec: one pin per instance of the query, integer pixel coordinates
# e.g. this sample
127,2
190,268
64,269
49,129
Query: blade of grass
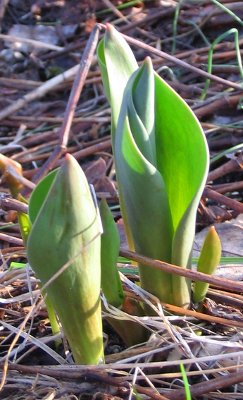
235,32
174,25
186,383
122,6
230,150
228,11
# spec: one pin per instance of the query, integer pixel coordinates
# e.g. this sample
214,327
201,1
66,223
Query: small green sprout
208,261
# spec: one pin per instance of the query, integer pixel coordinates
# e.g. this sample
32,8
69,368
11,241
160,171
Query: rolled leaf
208,262
117,70
161,159
140,183
65,234
156,161
183,161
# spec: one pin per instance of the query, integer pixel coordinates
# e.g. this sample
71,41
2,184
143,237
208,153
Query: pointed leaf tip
66,232
208,262
109,27
68,156
148,61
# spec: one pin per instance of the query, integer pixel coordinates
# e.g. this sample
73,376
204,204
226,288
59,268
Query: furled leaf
161,160
117,63
142,186
64,245
156,163
131,332
182,159
208,262
117,70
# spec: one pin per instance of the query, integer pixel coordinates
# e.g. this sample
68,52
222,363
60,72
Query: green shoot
235,32
208,262
64,250
230,150
186,383
174,25
161,165
228,11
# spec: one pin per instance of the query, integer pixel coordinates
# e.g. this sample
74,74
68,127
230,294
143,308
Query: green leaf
182,151
110,246
24,225
186,383
142,187
39,194
117,63
17,265
66,233
183,160
161,160
36,201
208,262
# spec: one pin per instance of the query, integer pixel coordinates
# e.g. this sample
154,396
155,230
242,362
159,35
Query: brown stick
91,374
173,269
223,101
11,239
77,87
228,187
230,166
7,204
202,316
220,198
3,7
177,61
201,388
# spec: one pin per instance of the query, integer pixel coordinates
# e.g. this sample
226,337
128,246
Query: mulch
39,68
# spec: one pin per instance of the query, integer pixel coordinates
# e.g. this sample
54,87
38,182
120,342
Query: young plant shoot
161,158
64,250
207,263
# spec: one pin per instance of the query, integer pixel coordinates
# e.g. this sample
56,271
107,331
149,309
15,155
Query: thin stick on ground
179,62
200,389
77,87
221,199
39,92
199,276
